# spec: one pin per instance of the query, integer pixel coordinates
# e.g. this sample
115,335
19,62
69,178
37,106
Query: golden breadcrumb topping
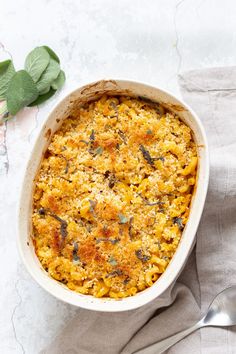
112,196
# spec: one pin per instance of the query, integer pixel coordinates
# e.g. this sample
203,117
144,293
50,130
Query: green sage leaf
52,53
7,70
42,98
21,91
3,108
36,62
48,76
59,82
45,91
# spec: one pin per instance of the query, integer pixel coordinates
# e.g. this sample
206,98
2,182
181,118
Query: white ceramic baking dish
55,118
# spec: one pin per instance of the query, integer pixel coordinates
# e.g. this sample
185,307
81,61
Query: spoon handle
166,343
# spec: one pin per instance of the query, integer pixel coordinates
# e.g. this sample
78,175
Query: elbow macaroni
112,196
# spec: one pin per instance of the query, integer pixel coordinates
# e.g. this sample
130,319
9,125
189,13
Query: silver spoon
221,312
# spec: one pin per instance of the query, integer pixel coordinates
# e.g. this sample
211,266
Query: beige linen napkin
212,265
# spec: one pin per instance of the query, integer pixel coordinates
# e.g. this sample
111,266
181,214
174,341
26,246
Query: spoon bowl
222,311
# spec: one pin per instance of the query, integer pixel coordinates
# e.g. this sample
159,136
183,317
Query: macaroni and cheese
112,196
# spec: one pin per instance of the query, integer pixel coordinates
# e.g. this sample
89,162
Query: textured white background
143,40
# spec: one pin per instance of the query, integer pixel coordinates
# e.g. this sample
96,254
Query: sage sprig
41,78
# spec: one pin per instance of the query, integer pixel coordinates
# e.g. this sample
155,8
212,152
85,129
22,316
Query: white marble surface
144,40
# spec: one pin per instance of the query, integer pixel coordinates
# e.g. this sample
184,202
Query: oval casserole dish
52,124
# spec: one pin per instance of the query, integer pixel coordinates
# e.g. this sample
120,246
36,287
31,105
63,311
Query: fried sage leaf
112,241
63,226
142,257
112,261
75,256
123,218
146,155
179,222
115,273
147,202
130,227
